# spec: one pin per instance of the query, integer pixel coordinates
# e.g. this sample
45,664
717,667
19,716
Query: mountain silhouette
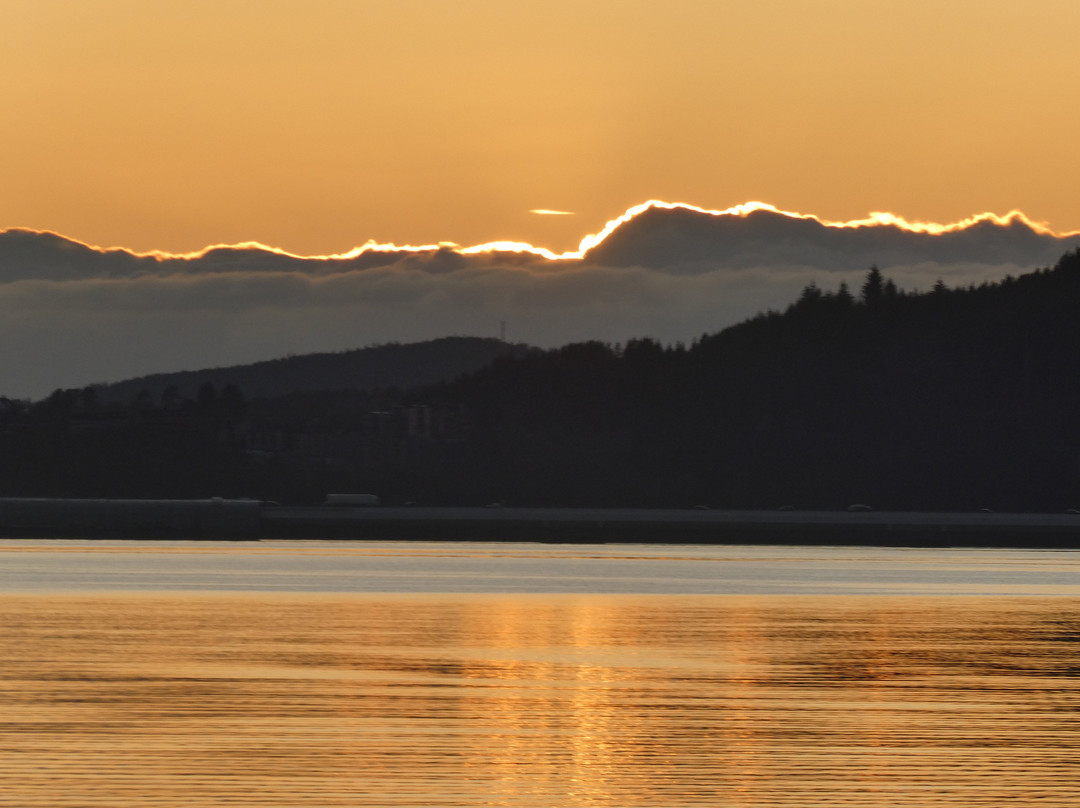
378,366
72,314
680,237
947,399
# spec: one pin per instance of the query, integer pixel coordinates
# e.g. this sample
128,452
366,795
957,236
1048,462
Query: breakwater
129,518
250,519
676,526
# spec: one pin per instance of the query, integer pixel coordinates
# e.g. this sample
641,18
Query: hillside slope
954,399
379,366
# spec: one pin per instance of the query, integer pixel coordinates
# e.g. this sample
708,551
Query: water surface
489,567
473,675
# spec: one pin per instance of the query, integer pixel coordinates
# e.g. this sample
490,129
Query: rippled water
206,697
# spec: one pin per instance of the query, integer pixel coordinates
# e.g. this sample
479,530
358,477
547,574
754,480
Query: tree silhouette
207,397
873,288
952,399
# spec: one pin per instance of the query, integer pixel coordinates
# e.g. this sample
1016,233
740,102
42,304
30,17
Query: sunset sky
315,126
318,126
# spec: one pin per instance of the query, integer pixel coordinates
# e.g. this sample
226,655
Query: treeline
951,399
293,448
376,366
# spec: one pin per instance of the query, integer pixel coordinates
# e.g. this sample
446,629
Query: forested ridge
948,399
377,366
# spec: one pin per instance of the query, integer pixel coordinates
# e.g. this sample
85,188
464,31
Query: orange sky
317,125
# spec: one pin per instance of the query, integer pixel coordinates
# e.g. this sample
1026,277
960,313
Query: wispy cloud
546,212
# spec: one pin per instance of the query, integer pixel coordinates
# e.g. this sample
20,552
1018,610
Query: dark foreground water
521,675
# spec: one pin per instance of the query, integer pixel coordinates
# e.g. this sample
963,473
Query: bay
387,674
493,567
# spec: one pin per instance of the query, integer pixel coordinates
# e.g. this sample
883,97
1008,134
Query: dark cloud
71,314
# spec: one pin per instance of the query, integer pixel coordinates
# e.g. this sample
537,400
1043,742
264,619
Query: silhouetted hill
954,399
668,271
391,365
682,237
674,238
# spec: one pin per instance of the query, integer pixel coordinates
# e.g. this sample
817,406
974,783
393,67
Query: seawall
677,526
250,519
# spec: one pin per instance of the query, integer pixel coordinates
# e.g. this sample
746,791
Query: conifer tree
873,288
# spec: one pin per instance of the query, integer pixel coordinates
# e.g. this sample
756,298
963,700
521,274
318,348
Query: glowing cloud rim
874,219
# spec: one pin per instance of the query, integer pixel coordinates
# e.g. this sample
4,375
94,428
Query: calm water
522,675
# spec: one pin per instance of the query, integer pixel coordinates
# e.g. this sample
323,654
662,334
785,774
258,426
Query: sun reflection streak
586,701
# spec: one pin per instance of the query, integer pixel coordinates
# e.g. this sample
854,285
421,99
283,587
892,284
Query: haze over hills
374,367
944,400
654,235
72,314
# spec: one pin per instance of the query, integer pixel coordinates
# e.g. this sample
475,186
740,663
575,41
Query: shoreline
252,520
689,526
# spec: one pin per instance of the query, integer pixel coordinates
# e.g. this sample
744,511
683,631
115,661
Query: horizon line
589,242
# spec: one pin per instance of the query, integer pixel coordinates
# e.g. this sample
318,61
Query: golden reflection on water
286,700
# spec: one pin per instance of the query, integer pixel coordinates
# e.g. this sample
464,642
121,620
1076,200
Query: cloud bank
73,314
